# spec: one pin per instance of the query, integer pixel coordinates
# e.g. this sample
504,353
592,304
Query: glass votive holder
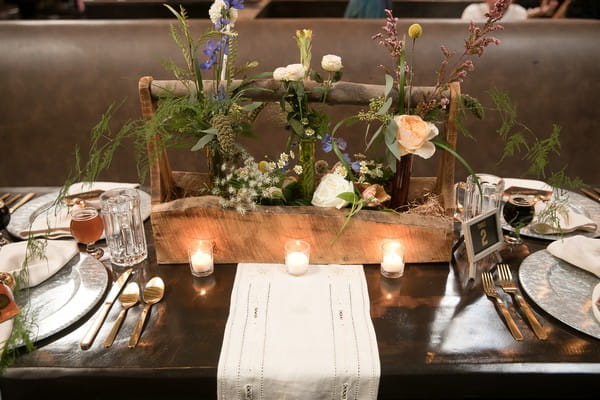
297,256
392,259
201,258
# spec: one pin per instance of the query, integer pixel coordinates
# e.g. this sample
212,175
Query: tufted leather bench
58,77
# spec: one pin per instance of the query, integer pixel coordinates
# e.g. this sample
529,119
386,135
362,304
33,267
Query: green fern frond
516,143
539,152
507,111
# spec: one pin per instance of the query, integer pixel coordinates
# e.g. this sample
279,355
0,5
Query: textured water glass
474,202
123,226
297,256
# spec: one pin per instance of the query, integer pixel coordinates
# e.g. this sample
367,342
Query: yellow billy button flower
415,31
263,166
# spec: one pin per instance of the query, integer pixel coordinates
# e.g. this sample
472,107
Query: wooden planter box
259,236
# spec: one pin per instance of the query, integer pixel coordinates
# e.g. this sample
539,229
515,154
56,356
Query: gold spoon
128,299
153,293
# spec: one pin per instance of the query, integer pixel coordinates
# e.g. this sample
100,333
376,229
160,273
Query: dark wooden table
437,337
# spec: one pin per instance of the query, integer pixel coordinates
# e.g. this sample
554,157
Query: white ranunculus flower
279,73
294,72
414,135
214,12
331,63
216,9
330,187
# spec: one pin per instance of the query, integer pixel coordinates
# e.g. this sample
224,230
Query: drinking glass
124,226
472,202
518,212
86,227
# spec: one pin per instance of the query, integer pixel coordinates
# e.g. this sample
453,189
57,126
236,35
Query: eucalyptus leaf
296,126
210,131
204,140
252,106
389,82
385,107
350,197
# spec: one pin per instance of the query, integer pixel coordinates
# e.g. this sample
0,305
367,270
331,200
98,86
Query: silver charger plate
65,297
580,204
21,219
561,289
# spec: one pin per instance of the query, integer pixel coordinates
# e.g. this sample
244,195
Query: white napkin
567,221
526,183
305,337
595,298
89,186
58,218
57,254
581,251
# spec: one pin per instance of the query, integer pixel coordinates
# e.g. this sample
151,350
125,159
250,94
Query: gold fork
509,286
490,290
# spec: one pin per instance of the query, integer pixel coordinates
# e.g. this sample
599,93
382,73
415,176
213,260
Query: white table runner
305,337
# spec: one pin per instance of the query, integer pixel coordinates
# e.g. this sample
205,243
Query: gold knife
590,194
24,200
89,337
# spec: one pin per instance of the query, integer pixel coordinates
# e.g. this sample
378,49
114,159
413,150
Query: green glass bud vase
306,158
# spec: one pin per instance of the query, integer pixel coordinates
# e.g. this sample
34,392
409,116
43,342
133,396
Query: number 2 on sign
483,234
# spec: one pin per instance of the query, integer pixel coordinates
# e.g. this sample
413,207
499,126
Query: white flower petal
426,151
433,131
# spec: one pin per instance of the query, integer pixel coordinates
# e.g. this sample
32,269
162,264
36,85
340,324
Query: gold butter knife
590,194
24,200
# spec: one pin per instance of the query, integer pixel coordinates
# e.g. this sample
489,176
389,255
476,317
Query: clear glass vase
306,158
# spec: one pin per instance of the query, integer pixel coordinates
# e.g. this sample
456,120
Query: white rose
330,187
414,135
214,12
294,72
331,63
279,73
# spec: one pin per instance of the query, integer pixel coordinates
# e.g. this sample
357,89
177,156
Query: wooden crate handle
161,177
162,184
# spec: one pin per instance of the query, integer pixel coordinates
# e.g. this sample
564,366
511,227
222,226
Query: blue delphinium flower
327,146
239,4
212,50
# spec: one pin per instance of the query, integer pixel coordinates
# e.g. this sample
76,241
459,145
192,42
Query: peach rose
414,135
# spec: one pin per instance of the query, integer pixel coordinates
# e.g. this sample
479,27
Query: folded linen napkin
306,337
567,220
57,254
595,300
81,187
581,251
526,183
58,218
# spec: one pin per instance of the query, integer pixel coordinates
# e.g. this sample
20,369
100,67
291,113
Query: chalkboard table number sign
483,236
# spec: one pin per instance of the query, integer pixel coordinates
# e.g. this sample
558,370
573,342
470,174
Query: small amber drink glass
87,227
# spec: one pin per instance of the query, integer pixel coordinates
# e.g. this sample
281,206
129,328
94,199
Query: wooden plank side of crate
259,236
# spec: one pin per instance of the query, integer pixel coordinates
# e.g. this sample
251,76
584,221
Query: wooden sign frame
483,245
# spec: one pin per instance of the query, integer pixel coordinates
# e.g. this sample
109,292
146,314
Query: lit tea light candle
297,254
392,264
201,259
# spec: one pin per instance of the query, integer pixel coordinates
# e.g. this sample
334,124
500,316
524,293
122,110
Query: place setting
561,279
62,284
